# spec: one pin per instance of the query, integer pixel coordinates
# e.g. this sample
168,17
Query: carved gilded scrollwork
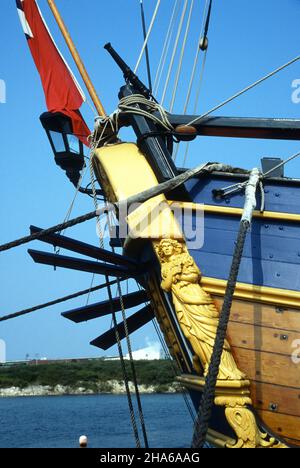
198,318
243,422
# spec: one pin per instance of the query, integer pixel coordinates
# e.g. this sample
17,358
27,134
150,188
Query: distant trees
85,374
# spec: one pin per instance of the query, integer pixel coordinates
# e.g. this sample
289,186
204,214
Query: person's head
169,247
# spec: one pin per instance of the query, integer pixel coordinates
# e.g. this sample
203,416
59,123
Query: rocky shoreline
112,387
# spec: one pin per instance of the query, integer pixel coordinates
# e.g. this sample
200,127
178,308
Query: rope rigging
146,48
174,51
239,186
202,45
207,401
115,325
166,47
147,37
54,302
142,197
244,90
181,57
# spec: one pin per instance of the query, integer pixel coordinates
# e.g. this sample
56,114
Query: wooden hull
262,339
264,330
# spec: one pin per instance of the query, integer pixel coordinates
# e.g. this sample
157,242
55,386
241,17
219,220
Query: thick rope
129,104
208,396
142,197
134,376
125,375
54,302
241,185
207,401
122,361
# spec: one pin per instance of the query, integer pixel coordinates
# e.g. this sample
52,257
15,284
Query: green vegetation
89,374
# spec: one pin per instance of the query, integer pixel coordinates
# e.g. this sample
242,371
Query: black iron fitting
129,76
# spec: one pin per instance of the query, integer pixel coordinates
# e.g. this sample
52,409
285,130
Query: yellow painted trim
264,294
227,210
218,440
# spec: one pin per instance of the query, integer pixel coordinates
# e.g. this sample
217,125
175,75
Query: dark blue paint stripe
252,271
283,197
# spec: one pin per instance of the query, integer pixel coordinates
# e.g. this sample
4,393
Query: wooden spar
77,59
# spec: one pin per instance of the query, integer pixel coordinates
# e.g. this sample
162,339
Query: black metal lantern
67,148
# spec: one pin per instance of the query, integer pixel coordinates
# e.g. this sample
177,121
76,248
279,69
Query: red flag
62,91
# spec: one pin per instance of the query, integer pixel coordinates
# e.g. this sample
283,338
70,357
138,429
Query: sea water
59,421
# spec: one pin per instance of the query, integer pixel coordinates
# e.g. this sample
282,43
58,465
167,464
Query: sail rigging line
208,395
148,35
202,39
175,369
196,102
124,371
141,197
94,143
54,302
146,48
244,90
174,51
114,320
239,186
119,290
203,45
133,371
69,212
193,73
187,30
90,290
127,336
166,47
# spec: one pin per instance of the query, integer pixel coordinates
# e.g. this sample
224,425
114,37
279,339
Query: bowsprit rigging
223,306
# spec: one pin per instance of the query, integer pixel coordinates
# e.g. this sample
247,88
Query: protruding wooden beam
79,264
134,322
100,309
77,59
85,249
242,127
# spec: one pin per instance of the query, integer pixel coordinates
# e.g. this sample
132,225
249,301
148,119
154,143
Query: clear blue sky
248,38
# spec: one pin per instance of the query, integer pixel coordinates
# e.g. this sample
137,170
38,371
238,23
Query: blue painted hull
272,250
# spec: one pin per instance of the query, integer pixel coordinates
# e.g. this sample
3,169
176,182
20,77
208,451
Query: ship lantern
67,148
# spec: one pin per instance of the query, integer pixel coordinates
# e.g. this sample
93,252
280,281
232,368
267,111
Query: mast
77,59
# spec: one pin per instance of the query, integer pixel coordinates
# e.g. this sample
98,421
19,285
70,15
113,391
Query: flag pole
77,59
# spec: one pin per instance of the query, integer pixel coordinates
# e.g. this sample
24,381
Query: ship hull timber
263,304
264,330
